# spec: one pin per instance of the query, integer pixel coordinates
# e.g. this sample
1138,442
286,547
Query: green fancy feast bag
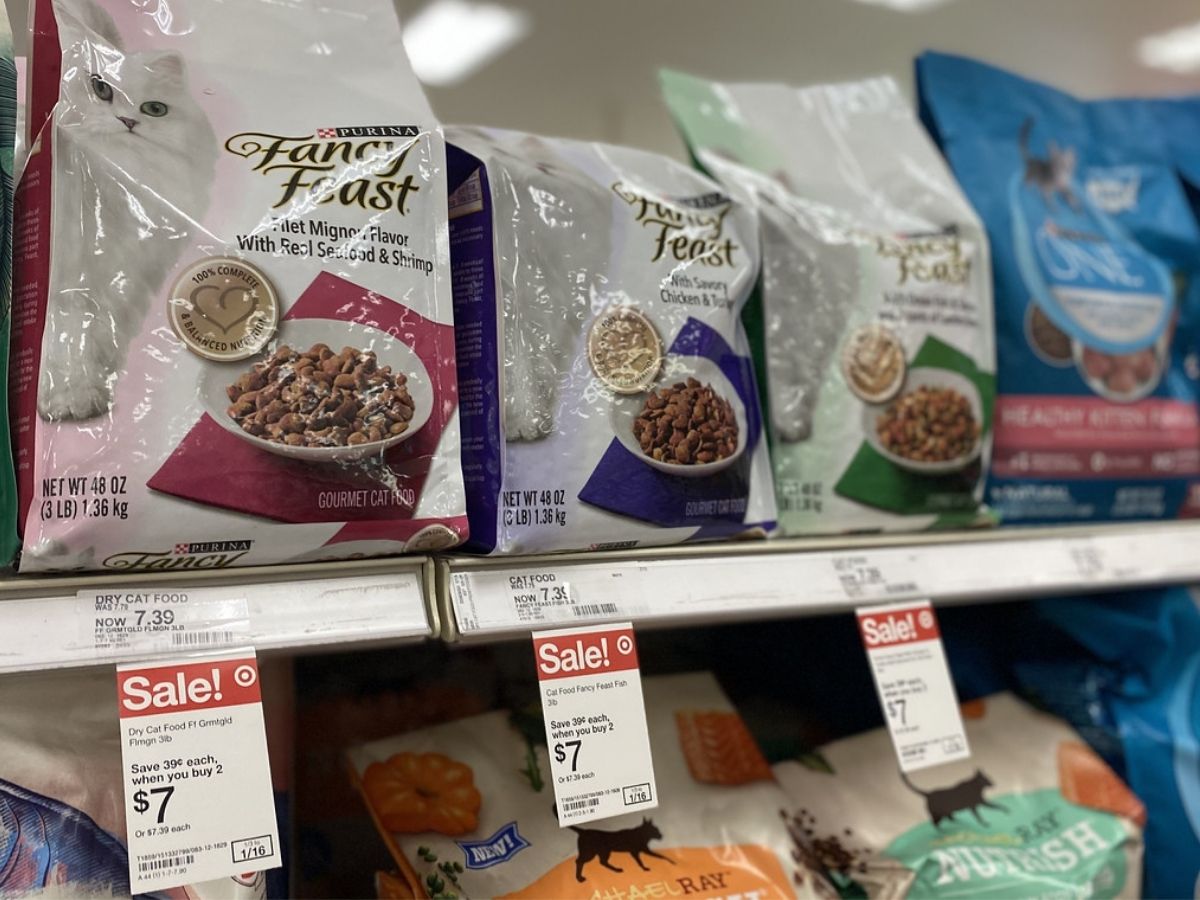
1032,813
876,300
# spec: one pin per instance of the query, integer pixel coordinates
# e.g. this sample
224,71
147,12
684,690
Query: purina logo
363,131
1114,190
213,547
500,847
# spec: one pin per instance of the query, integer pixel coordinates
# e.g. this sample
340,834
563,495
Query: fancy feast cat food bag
608,393
468,810
234,338
1097,258
62,805
875,315
1032,813
8,149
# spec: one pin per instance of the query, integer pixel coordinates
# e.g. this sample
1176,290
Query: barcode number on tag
904,648
595,718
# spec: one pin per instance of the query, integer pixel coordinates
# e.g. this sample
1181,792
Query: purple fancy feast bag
608,397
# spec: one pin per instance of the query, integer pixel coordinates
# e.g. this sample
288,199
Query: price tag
864,577
908,662
116,622
595,722
197,781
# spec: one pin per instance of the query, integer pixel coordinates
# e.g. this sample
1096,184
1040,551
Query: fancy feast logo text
361,166
190,555
927,258
687,229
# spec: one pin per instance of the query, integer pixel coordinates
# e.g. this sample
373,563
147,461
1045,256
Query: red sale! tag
198,800
904,647
595,719
584,652
187,687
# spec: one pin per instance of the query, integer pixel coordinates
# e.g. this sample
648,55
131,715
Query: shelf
315,605
492,599
44,623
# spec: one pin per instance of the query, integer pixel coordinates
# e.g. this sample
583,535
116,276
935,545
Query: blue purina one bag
1134,693
1096,256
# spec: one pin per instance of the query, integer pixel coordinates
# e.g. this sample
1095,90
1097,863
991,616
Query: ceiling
587,68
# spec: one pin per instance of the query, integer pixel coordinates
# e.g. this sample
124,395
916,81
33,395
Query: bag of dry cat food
876,318
8,162
1097,268
468,810
609,396
62,804
1033,813
234,341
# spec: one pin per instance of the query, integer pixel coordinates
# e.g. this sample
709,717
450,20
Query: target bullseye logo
925,617
624,645
245,675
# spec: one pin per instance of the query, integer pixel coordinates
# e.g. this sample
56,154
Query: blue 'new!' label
500,847
1089,277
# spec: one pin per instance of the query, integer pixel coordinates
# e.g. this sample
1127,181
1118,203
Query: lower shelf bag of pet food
62,805
468,810
876,307
234,340
609,398
1097,267
1033,813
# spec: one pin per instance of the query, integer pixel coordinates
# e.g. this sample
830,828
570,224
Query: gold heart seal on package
224,309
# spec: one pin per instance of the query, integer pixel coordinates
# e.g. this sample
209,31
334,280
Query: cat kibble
687,424
317,398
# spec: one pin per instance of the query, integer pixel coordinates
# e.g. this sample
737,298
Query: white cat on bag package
233,333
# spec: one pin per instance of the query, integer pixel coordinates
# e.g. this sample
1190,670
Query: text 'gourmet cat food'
198,237
876,303
608,394
1097,283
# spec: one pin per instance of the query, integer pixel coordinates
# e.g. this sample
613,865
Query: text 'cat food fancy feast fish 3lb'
233,339
1097,267
608,394
876,307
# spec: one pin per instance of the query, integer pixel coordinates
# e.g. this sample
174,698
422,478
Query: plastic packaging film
598,290
876,299
236,342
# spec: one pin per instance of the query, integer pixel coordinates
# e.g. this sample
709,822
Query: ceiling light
910,6
1177,50
447,40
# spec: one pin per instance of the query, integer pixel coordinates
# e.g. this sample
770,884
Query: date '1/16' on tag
595,720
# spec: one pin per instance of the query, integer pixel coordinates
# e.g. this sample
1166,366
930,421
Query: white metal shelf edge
44,632
499,598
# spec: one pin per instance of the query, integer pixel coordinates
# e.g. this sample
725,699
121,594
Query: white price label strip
151,620
595,722
904,647
527,599
198,801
